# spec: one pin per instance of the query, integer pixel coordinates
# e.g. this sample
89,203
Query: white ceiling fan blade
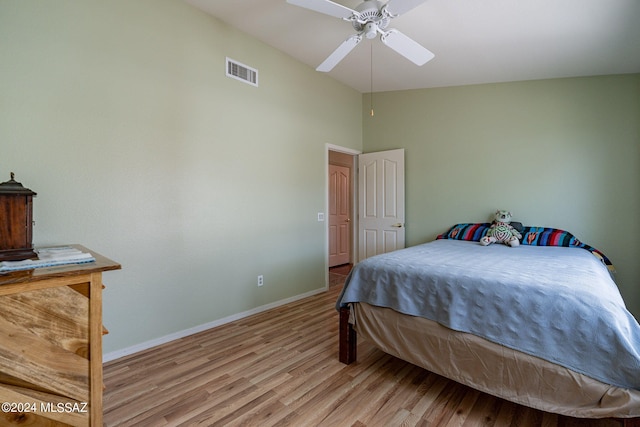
398,7
407,47
342,51
325,6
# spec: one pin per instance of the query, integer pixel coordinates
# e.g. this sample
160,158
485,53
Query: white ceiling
475,41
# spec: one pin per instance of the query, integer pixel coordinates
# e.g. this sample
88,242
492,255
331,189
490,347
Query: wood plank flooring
280,368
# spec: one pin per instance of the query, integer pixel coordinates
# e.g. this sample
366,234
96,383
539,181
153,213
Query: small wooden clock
16,221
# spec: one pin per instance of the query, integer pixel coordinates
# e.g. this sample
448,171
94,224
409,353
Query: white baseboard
113,355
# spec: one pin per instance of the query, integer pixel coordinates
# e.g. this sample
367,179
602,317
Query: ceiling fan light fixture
370,30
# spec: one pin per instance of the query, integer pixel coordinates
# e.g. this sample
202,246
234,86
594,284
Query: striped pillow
543,236
467,231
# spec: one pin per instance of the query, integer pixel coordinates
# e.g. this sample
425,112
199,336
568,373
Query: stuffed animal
502,231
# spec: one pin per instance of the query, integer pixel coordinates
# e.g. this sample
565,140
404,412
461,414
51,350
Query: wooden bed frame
347,354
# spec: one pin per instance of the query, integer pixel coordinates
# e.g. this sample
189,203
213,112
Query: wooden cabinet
51,344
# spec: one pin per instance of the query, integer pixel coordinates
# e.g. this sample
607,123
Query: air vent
241,72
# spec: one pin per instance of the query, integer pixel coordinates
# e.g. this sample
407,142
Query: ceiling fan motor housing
370,18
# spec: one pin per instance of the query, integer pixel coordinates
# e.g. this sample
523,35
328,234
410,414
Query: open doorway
341,213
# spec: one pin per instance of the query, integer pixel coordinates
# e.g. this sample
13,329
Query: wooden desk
51,344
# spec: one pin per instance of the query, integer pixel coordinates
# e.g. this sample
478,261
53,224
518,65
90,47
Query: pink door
339,215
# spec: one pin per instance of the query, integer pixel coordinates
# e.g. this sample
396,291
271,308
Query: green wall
560,153
120,116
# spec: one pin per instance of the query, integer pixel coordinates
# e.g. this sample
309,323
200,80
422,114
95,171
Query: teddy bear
502,231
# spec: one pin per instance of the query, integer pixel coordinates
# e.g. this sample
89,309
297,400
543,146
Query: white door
339,215
381,202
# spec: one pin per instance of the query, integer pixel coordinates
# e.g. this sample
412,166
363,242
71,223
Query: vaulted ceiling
474,41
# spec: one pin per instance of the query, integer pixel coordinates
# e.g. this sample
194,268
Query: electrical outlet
260,280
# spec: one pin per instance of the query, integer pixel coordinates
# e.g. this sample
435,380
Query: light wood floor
281,368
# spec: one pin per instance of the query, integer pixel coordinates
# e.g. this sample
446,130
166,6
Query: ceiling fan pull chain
371,94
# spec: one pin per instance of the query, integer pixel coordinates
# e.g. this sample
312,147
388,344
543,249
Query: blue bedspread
556,303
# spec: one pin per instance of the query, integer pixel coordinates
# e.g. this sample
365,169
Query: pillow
517,225
542,236
466,231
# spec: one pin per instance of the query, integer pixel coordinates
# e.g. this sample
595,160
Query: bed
542,324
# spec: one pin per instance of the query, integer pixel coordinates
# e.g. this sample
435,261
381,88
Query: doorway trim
354,204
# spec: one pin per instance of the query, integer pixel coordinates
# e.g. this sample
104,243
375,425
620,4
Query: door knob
398,225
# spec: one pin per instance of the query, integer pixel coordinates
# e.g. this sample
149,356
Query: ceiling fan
368,19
